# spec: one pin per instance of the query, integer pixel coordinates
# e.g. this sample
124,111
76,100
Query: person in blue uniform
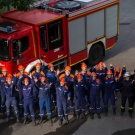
80,100
28,100
70,84
8,89
62,96
95,87
109,92
44,98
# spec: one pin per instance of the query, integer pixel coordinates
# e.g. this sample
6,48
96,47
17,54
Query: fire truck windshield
4,49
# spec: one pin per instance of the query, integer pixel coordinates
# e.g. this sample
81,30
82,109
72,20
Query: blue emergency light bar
7,30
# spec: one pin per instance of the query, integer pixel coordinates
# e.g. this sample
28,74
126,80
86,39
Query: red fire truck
61,32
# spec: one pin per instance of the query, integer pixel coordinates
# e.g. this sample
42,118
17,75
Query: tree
22,5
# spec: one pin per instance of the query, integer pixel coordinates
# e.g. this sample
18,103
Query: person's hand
57,72
76,72
68,98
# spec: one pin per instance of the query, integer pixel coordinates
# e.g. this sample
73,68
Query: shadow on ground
69,128
130,131
5,128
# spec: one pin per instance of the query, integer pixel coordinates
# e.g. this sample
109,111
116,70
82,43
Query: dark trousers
45,105
11,101
108,96
130,103
62,108
95,100
80,104
28,107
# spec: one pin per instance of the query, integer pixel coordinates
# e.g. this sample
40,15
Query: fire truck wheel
95,54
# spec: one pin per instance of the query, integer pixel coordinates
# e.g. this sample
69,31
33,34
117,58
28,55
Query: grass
4,9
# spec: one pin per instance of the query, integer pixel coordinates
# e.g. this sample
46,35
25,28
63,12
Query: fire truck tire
95,54
67,5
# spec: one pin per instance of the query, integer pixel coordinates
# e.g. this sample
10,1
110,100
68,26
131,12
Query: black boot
3,115
114,112
122,113
33,122
106,113
83,116
130,113
60,122
56,110
99,116
92,116
18,120
41,120
7,119
67,121
25,121
78,117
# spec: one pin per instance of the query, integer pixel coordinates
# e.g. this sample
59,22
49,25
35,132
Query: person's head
84,67
42,79
4,71
21,69
51,67
79,78
38,66
94,76
9,80
127,76
100,65
109,74
67,70
62,81
26,81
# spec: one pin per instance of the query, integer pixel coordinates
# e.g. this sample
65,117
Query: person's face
26,82
109,75
9,81
37,68
4,72
79,80
100,67
84,69
52,68
62,83
94,77
67,72
22,71
127,78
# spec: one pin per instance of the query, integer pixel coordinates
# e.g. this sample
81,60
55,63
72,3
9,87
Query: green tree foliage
22,5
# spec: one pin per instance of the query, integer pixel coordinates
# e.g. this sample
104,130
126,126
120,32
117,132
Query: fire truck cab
62,32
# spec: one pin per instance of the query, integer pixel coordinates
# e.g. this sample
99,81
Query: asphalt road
122,53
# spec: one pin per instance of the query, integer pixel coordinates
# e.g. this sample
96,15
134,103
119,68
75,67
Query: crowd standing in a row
44,86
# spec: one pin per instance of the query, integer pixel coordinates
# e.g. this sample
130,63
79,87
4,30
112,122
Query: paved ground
122,53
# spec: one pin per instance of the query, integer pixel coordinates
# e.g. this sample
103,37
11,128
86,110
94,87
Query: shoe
60,122
7,119
18,120
25,121
99,116
122,113
83,116
106,113
130,114
78,117
67,121
41,120
92,116
34,123
114,113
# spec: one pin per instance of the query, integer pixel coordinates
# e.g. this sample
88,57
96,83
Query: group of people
44,87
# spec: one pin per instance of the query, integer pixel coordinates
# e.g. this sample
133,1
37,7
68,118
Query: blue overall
51,78
109,93
86,79
62,95
9,91
44,100
27,98
101,74
3,99
80,101
20,91
70,85
95,88
37,75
